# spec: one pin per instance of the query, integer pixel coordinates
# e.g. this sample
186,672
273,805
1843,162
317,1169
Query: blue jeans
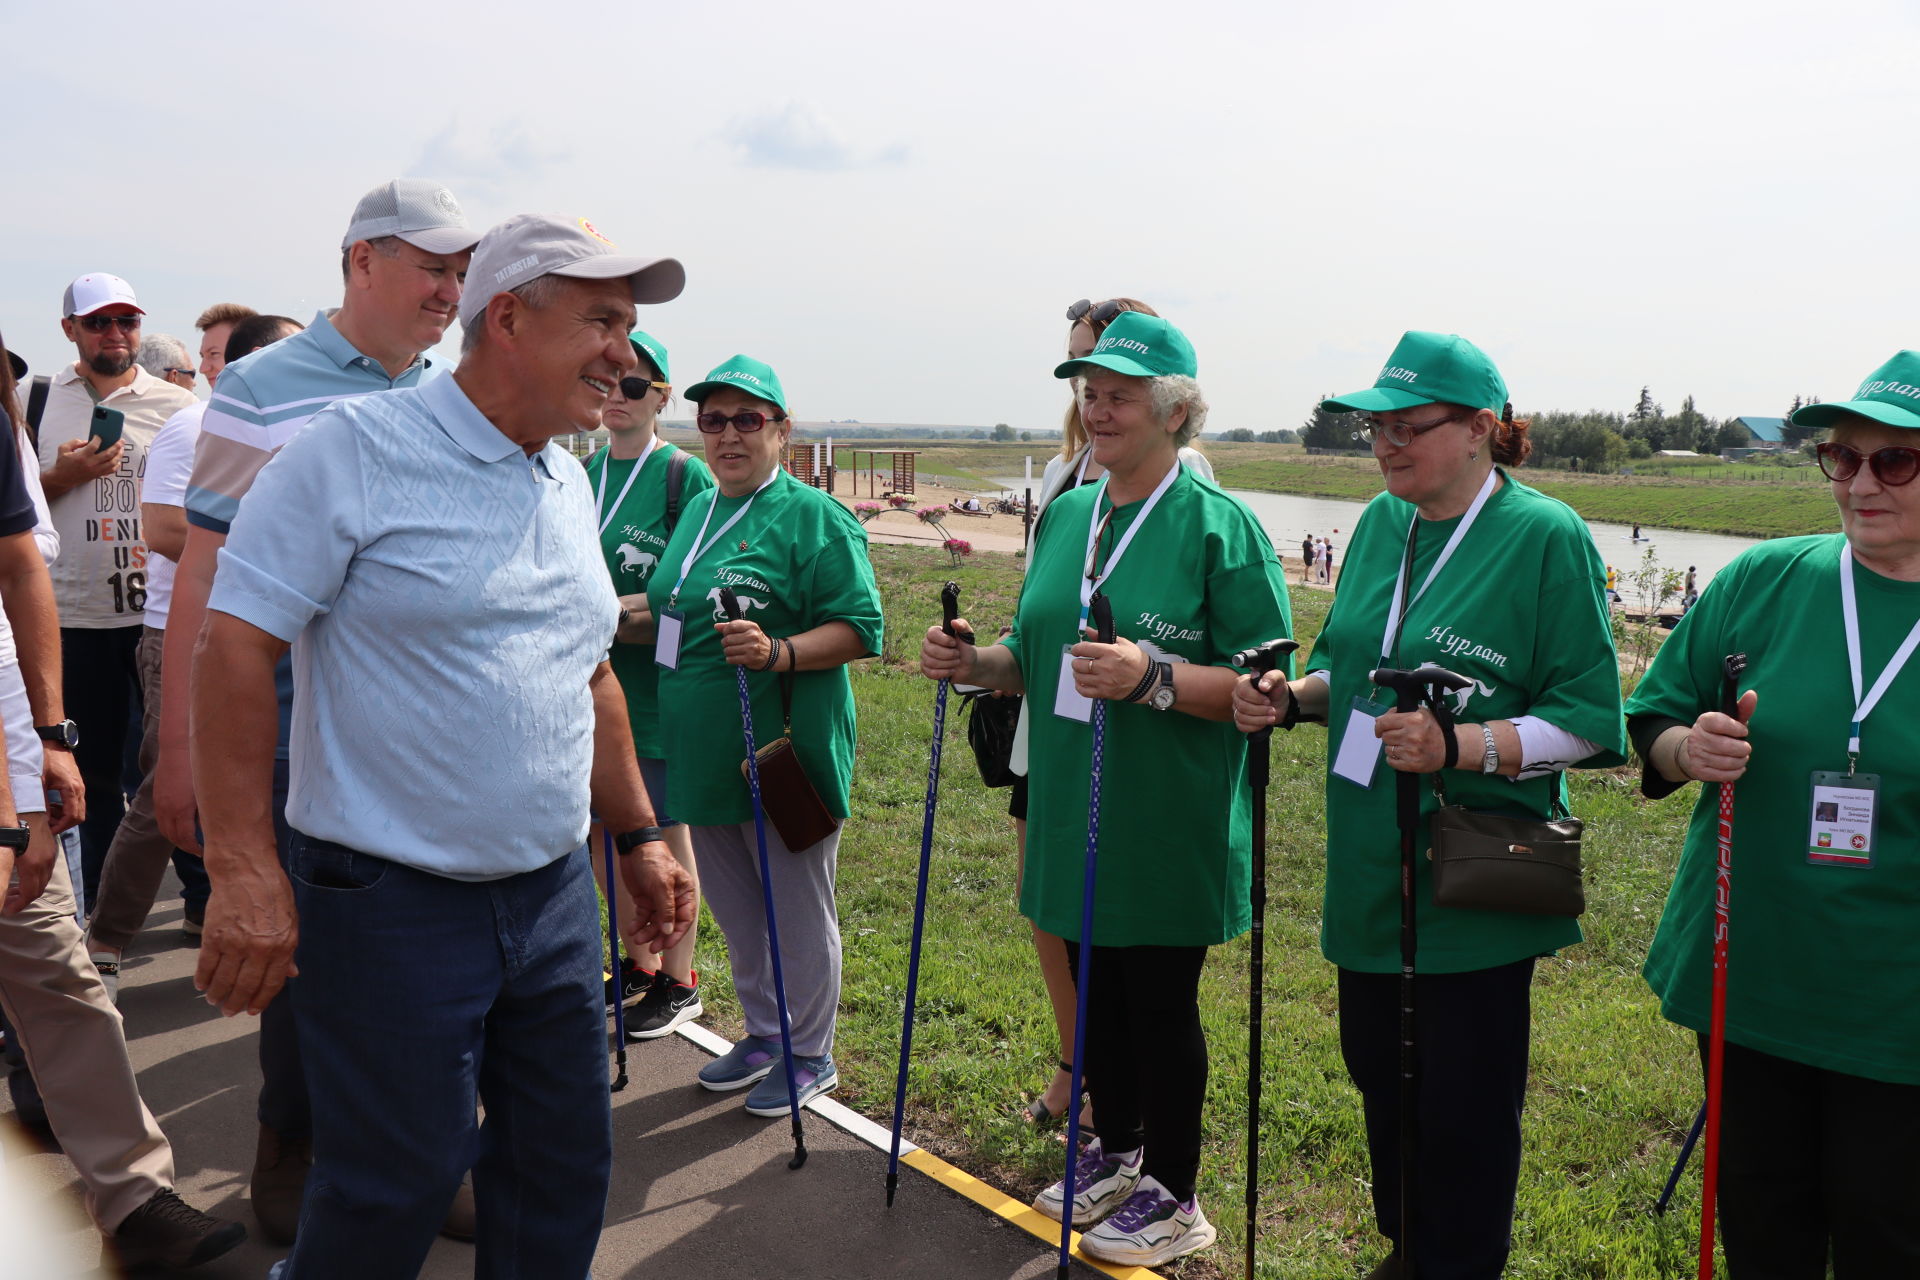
419,997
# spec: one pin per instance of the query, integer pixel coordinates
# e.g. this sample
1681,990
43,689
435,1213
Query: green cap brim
1117,363
1375,400
1827,415
699,391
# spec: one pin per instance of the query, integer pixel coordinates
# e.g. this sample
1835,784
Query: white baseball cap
530,245
422,213
95,290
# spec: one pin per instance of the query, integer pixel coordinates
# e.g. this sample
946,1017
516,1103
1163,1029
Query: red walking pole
1732,669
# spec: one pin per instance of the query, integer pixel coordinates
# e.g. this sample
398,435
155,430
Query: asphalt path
700,1188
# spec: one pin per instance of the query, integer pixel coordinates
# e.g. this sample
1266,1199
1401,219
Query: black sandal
1040,1115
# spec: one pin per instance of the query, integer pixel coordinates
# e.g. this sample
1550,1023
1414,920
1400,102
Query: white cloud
800,136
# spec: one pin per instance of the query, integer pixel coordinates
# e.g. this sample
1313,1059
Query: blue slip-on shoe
741,1065
812,1076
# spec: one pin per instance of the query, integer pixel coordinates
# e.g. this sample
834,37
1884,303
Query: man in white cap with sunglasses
455,720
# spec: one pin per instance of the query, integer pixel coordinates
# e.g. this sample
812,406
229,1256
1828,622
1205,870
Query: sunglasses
1401,434
1101,314
1896,464
100,324
188,372
745,423
634,388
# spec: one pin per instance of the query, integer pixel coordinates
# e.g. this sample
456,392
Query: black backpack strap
37,405
676,481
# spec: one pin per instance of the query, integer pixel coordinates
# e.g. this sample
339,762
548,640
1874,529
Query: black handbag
991,721
1494,862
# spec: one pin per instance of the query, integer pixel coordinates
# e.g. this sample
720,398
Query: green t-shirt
1823,962
632,541
1199,583
796,560
1518,609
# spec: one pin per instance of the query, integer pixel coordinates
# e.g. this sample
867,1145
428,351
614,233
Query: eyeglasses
188,372
746,423
1096,316
1896,464
634,388
1401,434
100,324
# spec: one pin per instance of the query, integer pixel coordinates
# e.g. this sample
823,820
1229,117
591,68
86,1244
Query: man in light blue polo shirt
454,719
402,260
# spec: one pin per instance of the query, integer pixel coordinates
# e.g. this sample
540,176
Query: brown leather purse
787,795
1493,862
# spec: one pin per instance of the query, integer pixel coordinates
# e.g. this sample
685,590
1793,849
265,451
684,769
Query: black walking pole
949,610
1257,661
730,604
1680,1165
613,952
1410,689
1100,610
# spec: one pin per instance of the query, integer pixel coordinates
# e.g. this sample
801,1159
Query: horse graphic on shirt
747,604
634,560
1460,696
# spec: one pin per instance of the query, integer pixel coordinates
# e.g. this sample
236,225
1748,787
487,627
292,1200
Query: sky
893,204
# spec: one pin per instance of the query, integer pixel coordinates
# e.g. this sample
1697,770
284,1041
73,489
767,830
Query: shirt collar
143,382
343,353
463,423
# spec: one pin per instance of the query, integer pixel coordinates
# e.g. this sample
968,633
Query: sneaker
811,1076
108,963
666,1005
166,1231
741,1065
635,982
194,922
1150,1229
1100,1184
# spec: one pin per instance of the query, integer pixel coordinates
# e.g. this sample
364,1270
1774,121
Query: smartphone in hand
106,426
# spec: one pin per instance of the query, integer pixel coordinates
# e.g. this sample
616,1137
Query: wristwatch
1490,762
14,838
1161,699
65,734
628,841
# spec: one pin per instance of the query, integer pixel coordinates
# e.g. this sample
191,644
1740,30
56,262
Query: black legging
1147,1056
102,679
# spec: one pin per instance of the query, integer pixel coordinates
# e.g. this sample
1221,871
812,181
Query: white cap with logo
530,245
95,290
422,213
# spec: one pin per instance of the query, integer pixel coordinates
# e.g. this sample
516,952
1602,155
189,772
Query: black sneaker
166,1231
666,1005
634,983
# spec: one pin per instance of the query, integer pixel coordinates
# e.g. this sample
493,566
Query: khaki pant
137,859
72,1038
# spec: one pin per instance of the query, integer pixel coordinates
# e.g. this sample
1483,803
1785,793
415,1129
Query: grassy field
1613,1086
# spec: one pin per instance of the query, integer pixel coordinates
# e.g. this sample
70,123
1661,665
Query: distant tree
1002,432
1239,435
1731,435
1687,429
1282,436
1646,408
1637,447
1026,435
1328,430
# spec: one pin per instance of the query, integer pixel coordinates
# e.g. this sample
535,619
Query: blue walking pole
730,604
949,610
1680,1165
1100,610
613,953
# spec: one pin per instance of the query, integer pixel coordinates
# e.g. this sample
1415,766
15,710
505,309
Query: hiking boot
166,1231
108,964
1151,1228
461,1221
280,1167
1100,1184
666,1005
811,1076
741,1065
635,982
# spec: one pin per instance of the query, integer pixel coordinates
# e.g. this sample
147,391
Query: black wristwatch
65,734
628,841
15,838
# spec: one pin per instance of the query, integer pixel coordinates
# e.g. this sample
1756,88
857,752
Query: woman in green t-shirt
1821,1083
796,560
1192,579
641,484
1505,589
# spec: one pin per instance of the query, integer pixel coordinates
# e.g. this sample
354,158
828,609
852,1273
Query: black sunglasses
100,324
1897,464
634,388
746,423
188,372
1101,314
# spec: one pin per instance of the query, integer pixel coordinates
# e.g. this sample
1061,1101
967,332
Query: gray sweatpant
803,904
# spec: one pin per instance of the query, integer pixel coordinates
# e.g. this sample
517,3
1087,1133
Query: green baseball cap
652,349
1429,368
1139,345
745,373
1890,395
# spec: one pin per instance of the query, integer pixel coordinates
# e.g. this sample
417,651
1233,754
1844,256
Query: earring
1473,455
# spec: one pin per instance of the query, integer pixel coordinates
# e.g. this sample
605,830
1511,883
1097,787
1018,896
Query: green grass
1613,1085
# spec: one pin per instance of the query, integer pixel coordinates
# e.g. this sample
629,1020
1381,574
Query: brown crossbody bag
787,795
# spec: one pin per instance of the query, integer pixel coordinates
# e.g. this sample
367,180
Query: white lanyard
1080,476
701,548
1395,613
1088,582
606,465
1850,611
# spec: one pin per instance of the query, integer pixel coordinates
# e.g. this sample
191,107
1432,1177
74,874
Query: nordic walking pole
1680,1165
1731,670
949,610
730,604
1410,689
1100,610
613,951
1257,661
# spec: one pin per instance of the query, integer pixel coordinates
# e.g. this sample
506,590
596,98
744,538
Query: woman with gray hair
1192,578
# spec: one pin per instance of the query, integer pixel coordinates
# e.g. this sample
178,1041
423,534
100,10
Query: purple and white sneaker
741,1065
1150,1229
1101,1183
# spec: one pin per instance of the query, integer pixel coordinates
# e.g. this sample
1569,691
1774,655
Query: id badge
1359,755
666,638
1069,702
1843,819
